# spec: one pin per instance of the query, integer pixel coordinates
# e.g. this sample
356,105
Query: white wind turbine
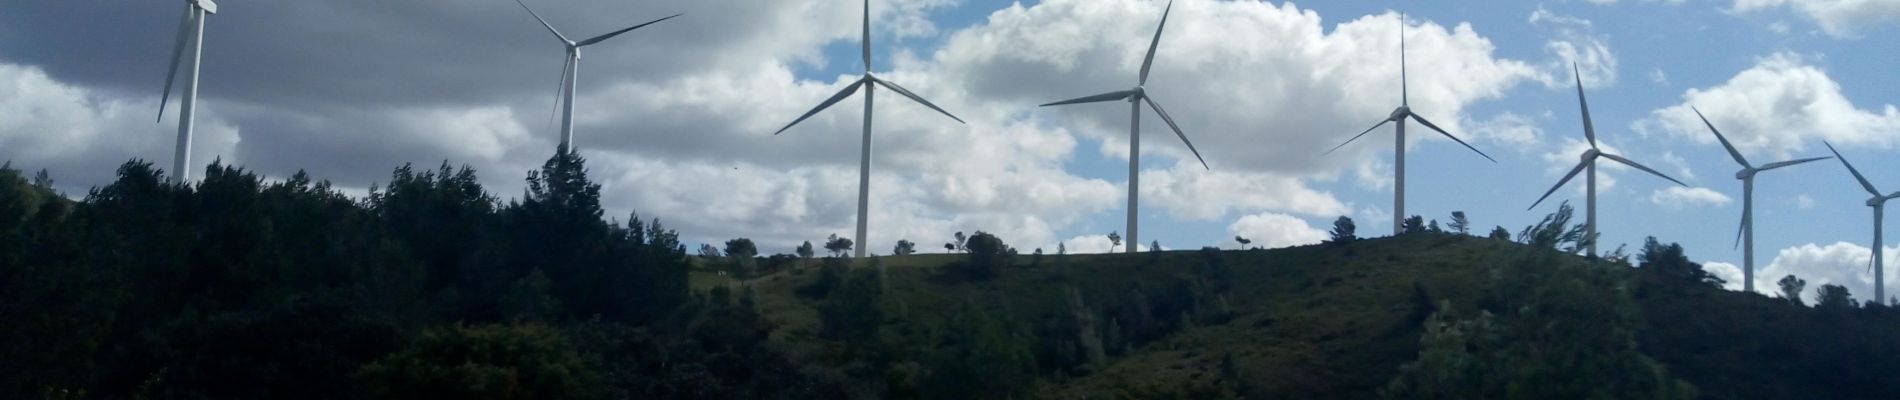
1746,234
868,82
570,70
1589,161
1879,203
1398,153
1135,97
190,34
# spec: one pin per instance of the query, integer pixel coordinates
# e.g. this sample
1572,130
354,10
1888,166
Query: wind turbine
1135,98
868,82
1879,203
1746,233
1398,153
190,32
1588,160
570,70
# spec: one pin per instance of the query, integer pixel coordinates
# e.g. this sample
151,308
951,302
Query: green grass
1317,321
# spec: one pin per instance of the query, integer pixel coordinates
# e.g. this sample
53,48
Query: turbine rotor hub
1745,173
1400,113
1877,201
1590,154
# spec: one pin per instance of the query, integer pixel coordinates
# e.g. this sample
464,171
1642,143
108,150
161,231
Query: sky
676,119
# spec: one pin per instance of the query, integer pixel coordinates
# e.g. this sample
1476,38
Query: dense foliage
236,287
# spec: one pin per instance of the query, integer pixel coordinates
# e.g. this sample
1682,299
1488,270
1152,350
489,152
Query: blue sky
676,118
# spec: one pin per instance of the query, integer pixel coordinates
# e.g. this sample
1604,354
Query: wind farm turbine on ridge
1745,235
1398,153
1879,204
570,70
1589,161
191,32
867,82
1135,98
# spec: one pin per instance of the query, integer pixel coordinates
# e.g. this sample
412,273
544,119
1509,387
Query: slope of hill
1322,321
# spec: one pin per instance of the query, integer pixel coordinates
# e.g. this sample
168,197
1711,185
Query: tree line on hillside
429,287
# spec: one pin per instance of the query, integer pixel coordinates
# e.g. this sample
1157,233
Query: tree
904,248
1791,288
1062,249
1499,233
1556,232
741,249
1114,240
1154,246
1833,297
989,257
1669,261
1459,224
706,250
1343,231
961,241
1414,224
1243,241
1433,226
805,251
837,245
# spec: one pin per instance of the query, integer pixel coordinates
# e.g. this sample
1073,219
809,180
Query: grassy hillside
1320,321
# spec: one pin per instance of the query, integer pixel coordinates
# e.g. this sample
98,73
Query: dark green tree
485,362
837,245
1414,224
904,248
1342,232
1459,224
1791,288
1834,297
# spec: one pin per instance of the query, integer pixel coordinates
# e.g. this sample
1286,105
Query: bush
485,362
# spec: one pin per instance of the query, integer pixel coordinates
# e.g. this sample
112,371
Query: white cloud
1677,197
1574,42
1275,230
1804,202
1659,77
1839,18
1517,131
1777,107
81,136
1840,263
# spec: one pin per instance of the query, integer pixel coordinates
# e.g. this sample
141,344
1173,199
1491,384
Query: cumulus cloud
1839,18
1677,197
1839,263
1517,131
1778,107
675,119
1274,230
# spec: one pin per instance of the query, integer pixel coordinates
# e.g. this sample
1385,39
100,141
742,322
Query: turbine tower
190,34
867,82
1746,233
1588,160
570,70
1135,98
1879,203
1398,153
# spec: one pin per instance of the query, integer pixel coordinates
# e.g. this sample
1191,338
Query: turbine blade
1177,128
1356,137
1740,228
1589,130
848,90
544,23
1724,140
560,89
1627,161
1850,168
1405,92
610,35
1429,124
1791,163
1561,182
178,51
1150,60
914,97
867,36
1110,96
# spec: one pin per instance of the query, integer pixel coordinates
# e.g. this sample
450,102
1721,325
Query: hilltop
1330,321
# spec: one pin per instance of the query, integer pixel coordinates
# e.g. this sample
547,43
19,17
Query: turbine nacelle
1135,95
1399,114
207,5
1589,155
1746,173
1878,201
